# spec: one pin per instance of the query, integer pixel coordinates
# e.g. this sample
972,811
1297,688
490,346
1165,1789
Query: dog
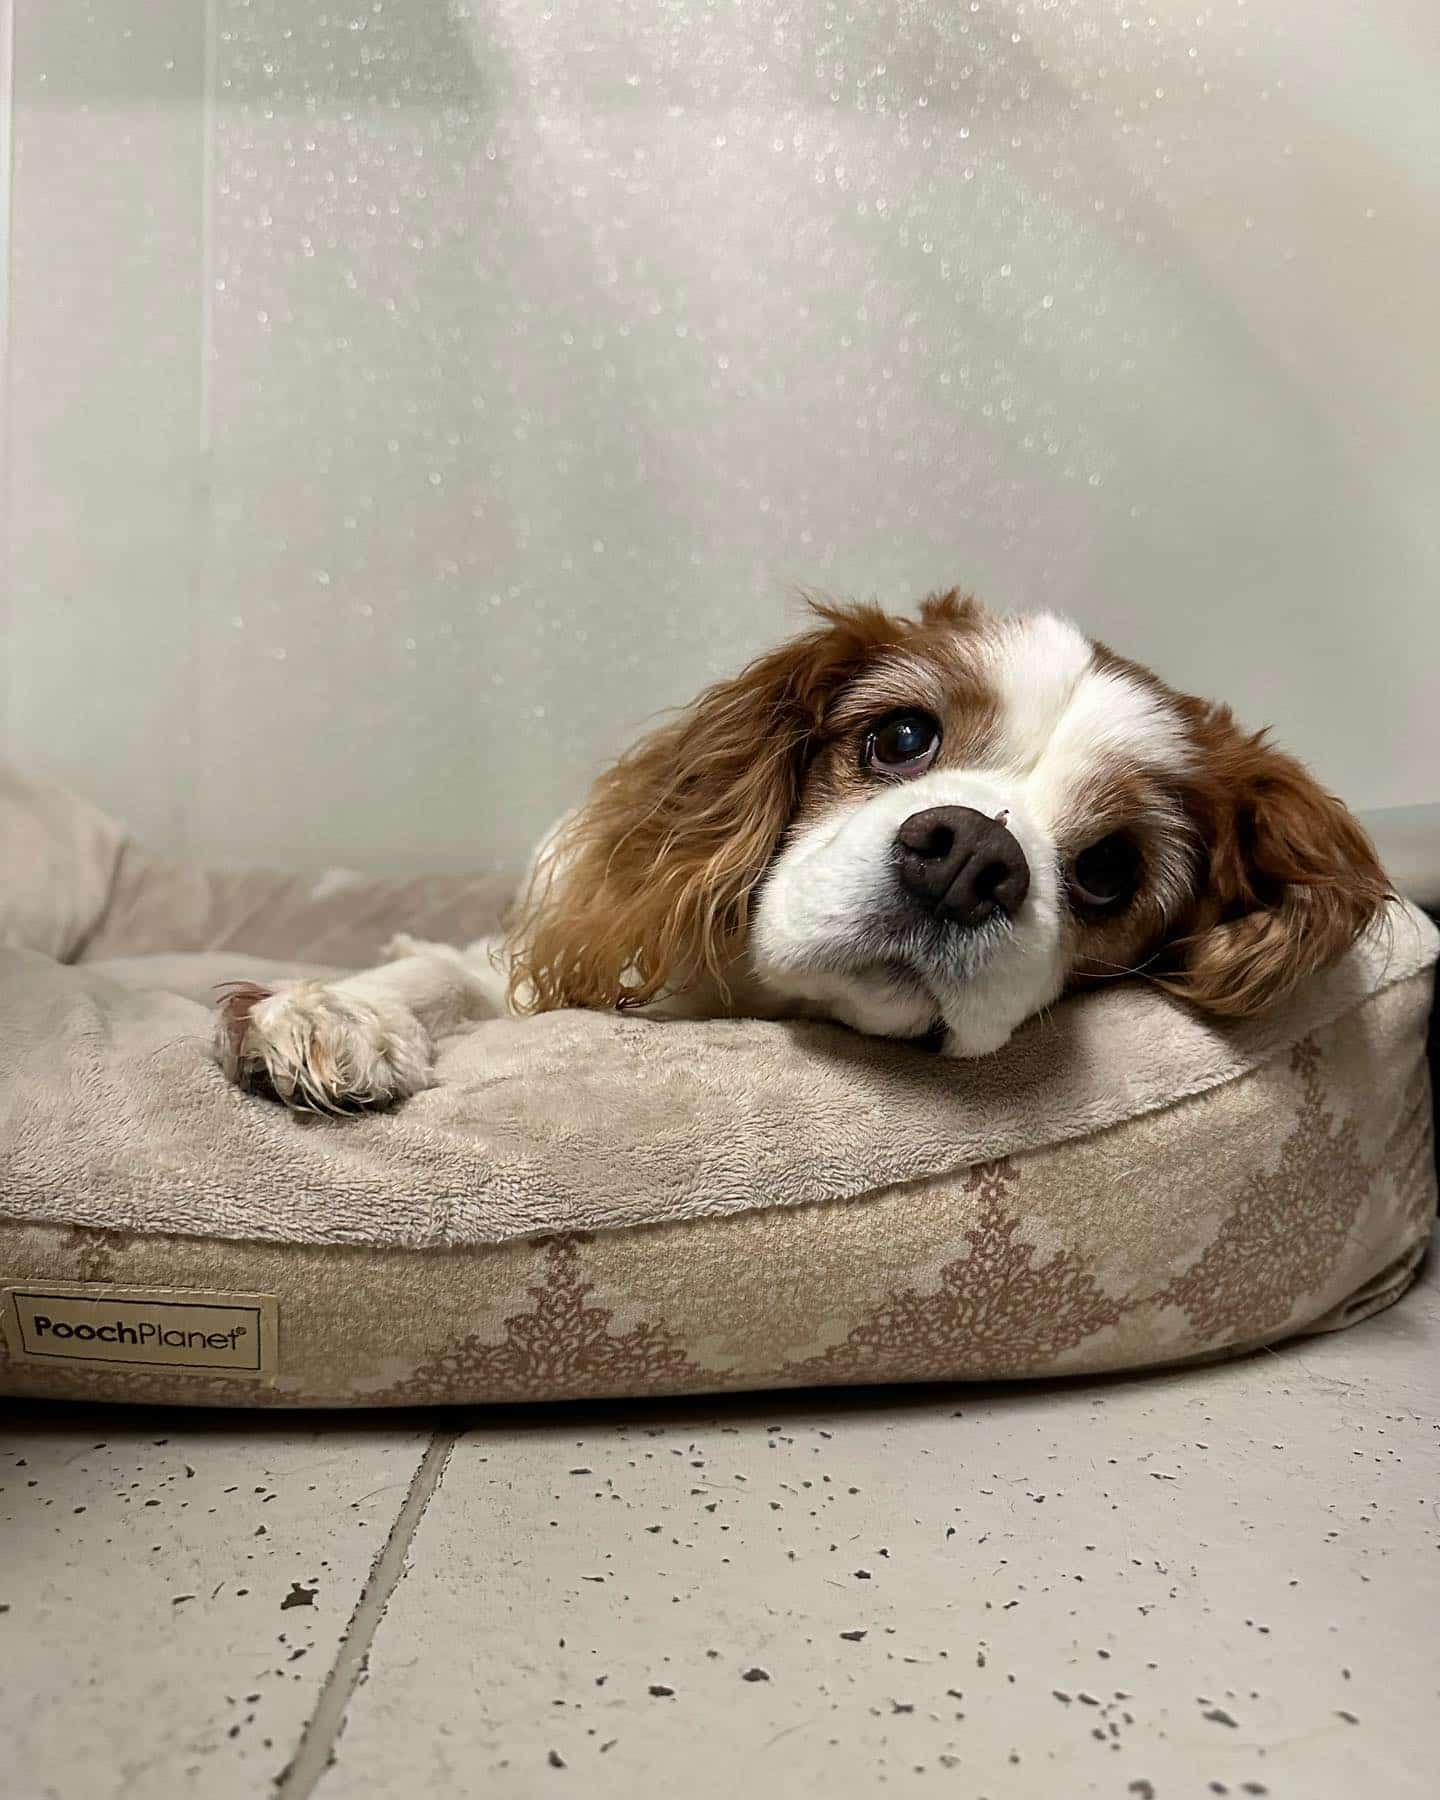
926,828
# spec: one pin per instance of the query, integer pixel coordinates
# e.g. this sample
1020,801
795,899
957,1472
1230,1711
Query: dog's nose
960,865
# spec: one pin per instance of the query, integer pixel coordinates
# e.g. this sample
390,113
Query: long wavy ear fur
647,888
1288,882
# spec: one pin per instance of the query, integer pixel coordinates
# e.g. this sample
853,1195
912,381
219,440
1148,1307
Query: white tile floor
1223,1581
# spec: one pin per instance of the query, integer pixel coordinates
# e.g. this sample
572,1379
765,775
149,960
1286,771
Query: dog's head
946,821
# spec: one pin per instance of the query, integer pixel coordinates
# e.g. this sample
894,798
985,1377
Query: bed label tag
171,1328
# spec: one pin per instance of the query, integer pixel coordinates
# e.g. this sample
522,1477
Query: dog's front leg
362,1041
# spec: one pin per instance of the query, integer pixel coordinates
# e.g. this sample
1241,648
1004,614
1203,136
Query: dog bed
589,1205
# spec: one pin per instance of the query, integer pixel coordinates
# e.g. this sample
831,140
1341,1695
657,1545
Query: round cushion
586,1205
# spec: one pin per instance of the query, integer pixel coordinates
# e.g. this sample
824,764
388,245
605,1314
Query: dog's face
988,810
943,823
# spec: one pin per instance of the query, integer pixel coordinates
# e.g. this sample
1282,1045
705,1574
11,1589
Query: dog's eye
904,744
1107,873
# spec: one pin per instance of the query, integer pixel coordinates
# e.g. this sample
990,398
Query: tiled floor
1211,1582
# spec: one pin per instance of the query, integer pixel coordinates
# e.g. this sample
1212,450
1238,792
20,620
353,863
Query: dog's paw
318,1049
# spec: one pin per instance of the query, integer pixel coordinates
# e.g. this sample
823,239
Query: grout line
315,1751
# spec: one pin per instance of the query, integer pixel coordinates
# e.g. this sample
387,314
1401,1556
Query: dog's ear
1287,882
647,888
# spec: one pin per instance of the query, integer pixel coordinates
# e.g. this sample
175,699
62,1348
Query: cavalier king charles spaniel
924,828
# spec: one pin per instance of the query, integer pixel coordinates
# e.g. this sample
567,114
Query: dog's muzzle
961,866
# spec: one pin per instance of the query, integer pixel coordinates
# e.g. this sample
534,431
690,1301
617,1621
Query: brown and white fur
770,852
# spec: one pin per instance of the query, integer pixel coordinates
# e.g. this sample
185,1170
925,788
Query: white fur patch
1061,717
1034,667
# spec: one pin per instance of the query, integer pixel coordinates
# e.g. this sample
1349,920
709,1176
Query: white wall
405,399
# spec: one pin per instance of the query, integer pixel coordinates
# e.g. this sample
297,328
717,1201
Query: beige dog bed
591,1205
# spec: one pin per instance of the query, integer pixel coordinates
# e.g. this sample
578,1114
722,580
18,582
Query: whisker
1119,969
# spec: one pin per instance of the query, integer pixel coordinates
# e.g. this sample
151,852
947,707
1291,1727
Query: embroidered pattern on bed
1001,1309
560,1346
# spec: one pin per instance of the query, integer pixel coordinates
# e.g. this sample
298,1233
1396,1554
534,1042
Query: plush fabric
59,862
586,1204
